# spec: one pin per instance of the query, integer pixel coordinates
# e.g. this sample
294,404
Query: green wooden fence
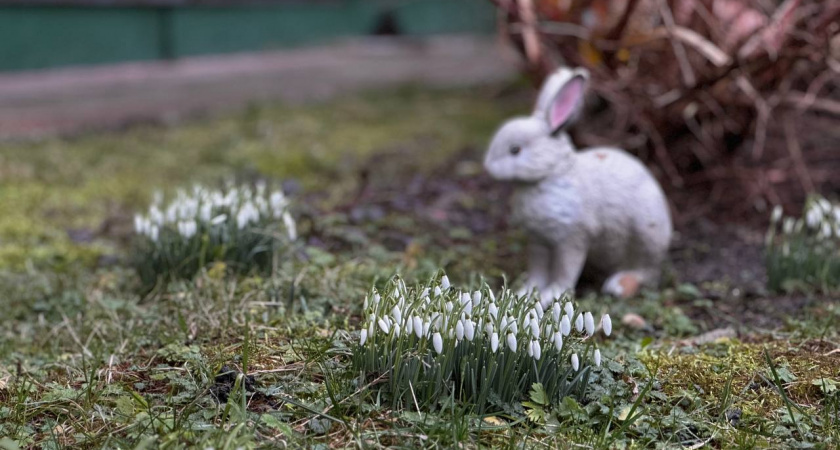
37,34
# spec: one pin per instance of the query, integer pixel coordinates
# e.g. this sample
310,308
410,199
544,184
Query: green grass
265,360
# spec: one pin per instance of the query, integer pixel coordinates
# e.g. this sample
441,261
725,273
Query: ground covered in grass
382,184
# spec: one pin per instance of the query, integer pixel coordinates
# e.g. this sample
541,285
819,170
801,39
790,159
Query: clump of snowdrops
804,253
242,227
434,342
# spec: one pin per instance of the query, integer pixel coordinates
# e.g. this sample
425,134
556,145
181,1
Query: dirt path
69,101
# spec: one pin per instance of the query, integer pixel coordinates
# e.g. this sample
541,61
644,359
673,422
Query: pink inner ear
565,103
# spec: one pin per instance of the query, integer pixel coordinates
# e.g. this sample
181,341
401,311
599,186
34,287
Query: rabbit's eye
515,150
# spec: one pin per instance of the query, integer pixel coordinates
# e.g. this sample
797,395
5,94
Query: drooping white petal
606,324
565,325
535,328
579,323
437,291
476,298
575,362
494,342
570,309
437,341
597,357
444,282
558,341
396,313
459,330
556,310
418,326
383,325
537,351
363,337
469,330
589,323
511,342
493,310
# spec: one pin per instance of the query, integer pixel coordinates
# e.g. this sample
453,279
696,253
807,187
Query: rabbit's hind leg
539,264
626,283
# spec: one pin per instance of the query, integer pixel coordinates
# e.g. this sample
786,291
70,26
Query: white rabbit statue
600,207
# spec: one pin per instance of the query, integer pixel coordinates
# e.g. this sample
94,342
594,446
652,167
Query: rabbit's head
531,148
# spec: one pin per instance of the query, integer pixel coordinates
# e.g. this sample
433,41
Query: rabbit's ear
566,103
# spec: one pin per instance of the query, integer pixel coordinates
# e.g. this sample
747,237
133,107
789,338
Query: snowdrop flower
511,342
539,309
536,350
418,326
813,217
291,228
426,328
397,330
825,205
220,219
363,337
493,296
825,231
139,224
558,341
565,325
777,214
494,342
555,311
469,330
437,291
154,231
597,357
493,310
606,324
570,309
459,330
437,341
575,362
444,282
383,325
396,313
535,328
476,298
579,323
589,323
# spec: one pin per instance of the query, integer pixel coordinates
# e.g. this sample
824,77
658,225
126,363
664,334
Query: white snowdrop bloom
812,218
535,328
575,362
531,349
579,323
539,310
437,341
459,330
154,231
469,330
825,205
424,293
397,330
597,357
555,311
570,309
417,324
558,341
383,325
489,329
409,326
444,282
493,296
156,215
363,337
426,328
172,213
396,313
511,342
606,324
504,323
468,308
589,323
220,219
494,342
493,310
565,325
536,350
464,298
448,306
437,291
476,298
291,228
777,214
513,326
371,329
825,231
548,331
139,224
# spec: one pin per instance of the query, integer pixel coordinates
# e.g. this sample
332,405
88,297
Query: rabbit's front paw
622,285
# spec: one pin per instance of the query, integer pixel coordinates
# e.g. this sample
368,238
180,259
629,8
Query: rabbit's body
600,207
589,203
